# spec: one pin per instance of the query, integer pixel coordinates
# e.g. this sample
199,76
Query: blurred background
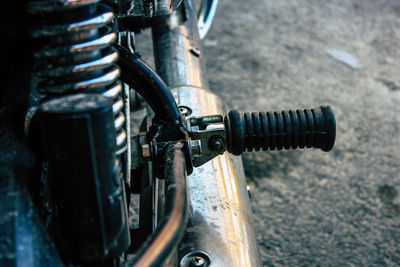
312,208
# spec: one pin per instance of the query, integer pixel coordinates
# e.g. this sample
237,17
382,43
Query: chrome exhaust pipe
220,229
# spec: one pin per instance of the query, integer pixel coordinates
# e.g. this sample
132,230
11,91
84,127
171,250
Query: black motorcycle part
277,130
85,180
168,124
138,75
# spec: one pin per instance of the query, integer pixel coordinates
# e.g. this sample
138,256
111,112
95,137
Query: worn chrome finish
206,16
174,37
149,8
220,220
220,213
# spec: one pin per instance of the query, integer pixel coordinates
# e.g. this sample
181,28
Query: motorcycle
86,184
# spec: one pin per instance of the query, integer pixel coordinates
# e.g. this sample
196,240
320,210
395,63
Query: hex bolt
195,51
185,111
248,191
196,261
195,148
217,144
146,153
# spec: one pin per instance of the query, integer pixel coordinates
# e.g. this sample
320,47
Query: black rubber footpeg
280,130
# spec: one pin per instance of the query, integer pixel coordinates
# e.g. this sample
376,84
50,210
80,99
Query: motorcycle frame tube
220,216
177,48
137,74
157,248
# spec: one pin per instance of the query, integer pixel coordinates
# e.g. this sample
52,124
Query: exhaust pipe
220,229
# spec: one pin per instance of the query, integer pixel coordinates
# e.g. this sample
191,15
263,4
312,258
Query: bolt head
195,148
217,144
185,111
195,51
196,261
146,153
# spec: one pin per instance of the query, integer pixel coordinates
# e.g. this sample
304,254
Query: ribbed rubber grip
280,130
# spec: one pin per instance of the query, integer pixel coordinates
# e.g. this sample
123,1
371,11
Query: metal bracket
207,138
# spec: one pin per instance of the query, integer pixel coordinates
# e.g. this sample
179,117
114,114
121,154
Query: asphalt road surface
312,208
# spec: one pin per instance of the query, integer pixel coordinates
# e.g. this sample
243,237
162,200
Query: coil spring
76,53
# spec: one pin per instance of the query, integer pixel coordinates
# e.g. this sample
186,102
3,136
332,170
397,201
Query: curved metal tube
138,75
206,16
156,249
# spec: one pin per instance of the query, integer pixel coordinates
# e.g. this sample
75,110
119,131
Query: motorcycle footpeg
302,128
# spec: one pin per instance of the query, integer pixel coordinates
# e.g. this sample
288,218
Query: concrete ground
312,208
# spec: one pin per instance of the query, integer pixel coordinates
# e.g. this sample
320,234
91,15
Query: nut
146,152
195,148
217,144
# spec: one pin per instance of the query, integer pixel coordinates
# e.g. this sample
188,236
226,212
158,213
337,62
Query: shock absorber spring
75,53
